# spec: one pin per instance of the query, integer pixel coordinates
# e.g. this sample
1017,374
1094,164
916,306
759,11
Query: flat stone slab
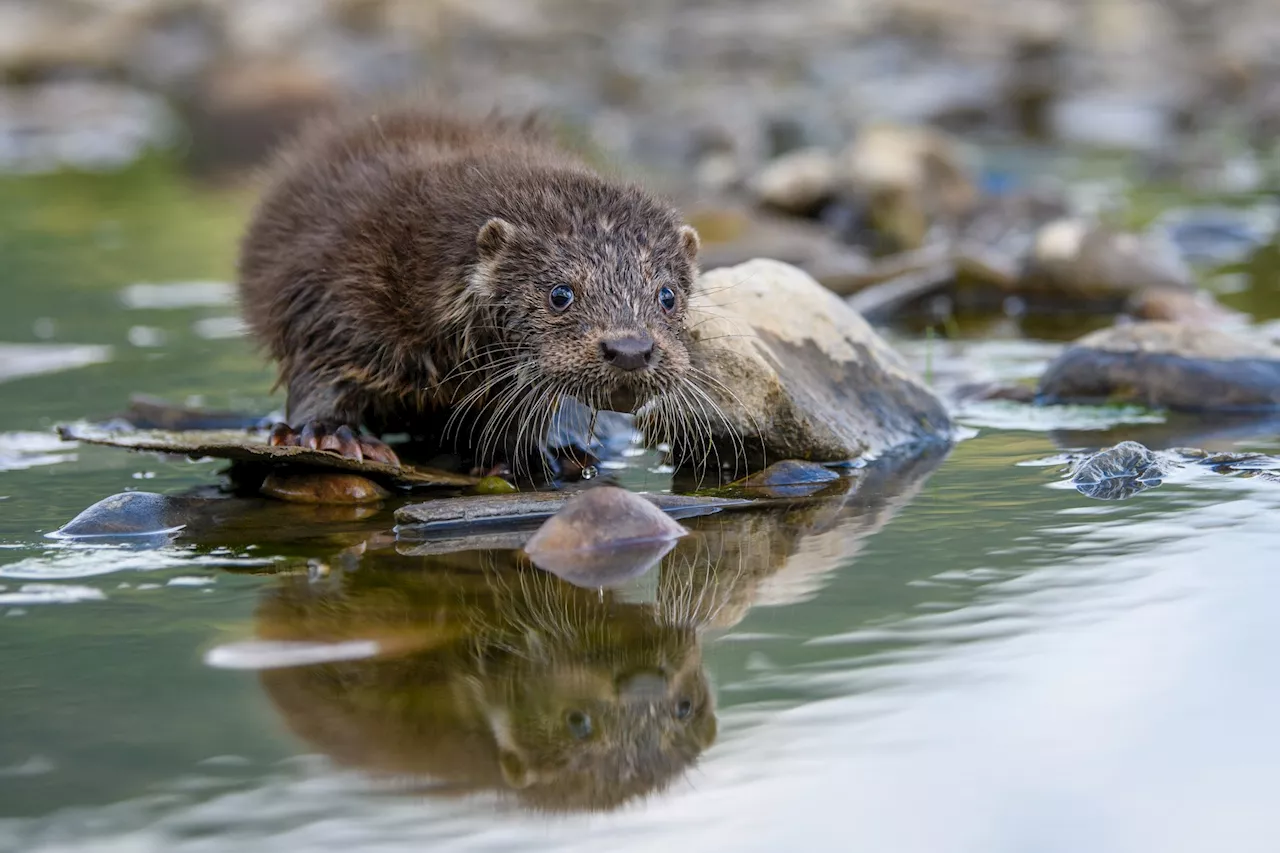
536,506
1166,365
252,446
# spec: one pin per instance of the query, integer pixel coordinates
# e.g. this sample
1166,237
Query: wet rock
1087,261
1120,472
493,485
143,516
1166,365
794,373
1128,468
790,478
799,182
310,487
602,537
911,177
417,519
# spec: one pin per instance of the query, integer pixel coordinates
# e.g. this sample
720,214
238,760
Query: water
967,655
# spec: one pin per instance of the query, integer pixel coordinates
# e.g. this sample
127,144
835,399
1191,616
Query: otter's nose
632,352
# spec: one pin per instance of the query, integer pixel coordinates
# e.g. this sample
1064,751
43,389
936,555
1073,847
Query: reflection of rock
735,561
794,373
1166,365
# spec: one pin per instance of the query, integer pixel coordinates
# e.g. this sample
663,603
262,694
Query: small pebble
322,488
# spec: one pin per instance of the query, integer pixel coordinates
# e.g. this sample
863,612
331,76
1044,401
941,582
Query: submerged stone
791,472
787,370
128,515
603,536
313,487
790,478
1120,472
1166,365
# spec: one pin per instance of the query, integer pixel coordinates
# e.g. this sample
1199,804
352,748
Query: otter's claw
342,440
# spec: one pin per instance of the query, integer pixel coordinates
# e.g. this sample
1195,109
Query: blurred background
985,179
707,87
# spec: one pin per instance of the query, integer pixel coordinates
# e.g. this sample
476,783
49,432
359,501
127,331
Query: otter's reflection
494,676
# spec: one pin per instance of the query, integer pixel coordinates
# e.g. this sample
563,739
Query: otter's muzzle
630,352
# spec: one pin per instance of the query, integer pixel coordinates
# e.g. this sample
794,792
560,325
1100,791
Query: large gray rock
790,371
1166,365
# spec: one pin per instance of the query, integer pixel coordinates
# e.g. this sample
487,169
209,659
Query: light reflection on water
971,657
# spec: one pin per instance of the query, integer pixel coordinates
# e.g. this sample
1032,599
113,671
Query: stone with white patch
787,370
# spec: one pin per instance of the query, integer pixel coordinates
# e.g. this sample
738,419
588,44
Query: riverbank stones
1166,365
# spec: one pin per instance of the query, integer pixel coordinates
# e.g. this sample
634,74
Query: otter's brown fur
399,266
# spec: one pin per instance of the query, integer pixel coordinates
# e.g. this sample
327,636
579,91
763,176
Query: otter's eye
684,709
560,297
579,724
667,299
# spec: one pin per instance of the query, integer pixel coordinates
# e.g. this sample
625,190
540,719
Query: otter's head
595,734
593,298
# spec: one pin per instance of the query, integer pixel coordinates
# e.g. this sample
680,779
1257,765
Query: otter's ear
493,235
515,770
690,241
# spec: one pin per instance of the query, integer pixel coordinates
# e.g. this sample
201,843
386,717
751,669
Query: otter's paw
342,440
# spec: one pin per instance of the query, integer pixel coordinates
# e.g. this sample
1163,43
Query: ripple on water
51,593
75,560
19,360
22,450
179,294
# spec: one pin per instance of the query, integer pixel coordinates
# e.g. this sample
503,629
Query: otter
423,272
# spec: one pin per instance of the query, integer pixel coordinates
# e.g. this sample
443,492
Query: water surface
963,654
